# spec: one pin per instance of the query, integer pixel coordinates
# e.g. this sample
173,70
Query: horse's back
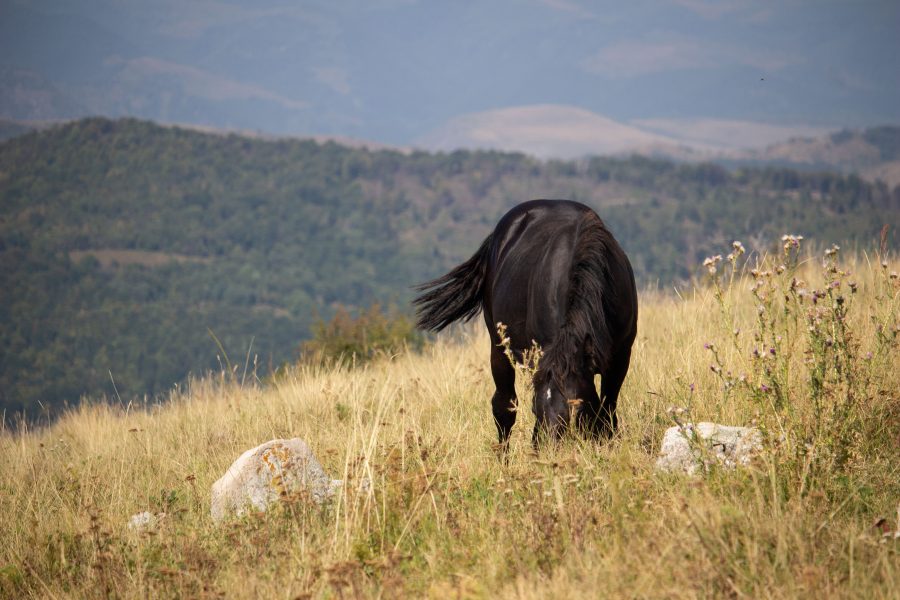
530,266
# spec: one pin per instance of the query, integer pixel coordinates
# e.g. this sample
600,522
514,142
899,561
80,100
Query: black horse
550,272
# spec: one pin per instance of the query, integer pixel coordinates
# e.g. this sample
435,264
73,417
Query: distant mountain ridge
872,153
552,132
391,71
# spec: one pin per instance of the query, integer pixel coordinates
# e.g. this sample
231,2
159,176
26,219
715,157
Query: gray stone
144,521
264,474
691,447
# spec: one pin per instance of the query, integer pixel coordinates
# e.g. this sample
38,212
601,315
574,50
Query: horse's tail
457,295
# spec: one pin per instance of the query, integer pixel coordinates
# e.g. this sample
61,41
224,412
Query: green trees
123,243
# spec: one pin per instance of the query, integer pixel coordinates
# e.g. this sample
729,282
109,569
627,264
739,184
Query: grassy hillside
443,517
132,254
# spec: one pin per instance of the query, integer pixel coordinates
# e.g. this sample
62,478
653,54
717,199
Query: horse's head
551,410
554,400
563,382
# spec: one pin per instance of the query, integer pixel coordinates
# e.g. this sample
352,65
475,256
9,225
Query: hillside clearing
445,518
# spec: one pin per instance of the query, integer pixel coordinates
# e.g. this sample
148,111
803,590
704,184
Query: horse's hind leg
504,401
610,384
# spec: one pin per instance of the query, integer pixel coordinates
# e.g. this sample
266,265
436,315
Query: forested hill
123,244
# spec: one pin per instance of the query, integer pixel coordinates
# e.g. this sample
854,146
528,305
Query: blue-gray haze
402,71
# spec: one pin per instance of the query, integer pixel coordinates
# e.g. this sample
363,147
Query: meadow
802,345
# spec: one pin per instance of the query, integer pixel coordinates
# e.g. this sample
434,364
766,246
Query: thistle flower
791,241
711,262
737,250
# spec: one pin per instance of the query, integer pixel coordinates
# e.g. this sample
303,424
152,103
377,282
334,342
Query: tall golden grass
443,517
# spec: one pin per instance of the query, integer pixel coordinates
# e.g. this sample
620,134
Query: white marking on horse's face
548,393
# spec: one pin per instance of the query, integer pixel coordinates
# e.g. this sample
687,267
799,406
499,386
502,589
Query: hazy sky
404,71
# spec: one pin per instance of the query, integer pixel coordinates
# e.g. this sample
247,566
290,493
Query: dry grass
444,518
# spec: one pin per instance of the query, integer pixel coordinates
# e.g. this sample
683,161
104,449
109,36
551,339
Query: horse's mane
583,341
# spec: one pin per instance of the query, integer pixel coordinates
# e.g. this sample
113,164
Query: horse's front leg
504,402
610,383
587,411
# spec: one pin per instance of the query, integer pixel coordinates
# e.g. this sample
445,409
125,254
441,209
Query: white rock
263,474
709,443
143,521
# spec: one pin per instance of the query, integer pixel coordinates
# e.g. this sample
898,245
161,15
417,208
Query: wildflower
737,250
853,287
791,241
779,269
833,250
691,387
772,351
715,369
764,388
893,275
711,262
868,356
709,346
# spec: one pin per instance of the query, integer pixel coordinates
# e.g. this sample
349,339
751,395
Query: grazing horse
550,272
